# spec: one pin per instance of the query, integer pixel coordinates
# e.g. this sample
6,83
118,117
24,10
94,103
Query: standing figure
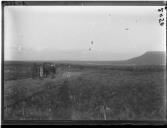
34,71
52,70
45,70
41,71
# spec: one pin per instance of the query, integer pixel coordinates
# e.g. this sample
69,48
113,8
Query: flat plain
85,92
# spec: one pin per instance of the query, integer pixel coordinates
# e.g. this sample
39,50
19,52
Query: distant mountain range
148,58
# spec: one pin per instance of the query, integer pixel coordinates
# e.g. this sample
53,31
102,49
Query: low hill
149,58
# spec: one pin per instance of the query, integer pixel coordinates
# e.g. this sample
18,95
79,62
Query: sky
81,32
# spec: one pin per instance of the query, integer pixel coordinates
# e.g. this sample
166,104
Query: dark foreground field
86,93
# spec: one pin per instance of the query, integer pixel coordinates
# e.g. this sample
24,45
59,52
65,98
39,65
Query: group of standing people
43,70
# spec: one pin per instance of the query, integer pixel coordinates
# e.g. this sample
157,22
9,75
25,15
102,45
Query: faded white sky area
66,32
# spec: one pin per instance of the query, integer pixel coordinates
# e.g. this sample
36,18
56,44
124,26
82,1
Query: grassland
86,93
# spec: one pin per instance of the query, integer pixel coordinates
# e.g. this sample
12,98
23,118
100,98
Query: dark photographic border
72,3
